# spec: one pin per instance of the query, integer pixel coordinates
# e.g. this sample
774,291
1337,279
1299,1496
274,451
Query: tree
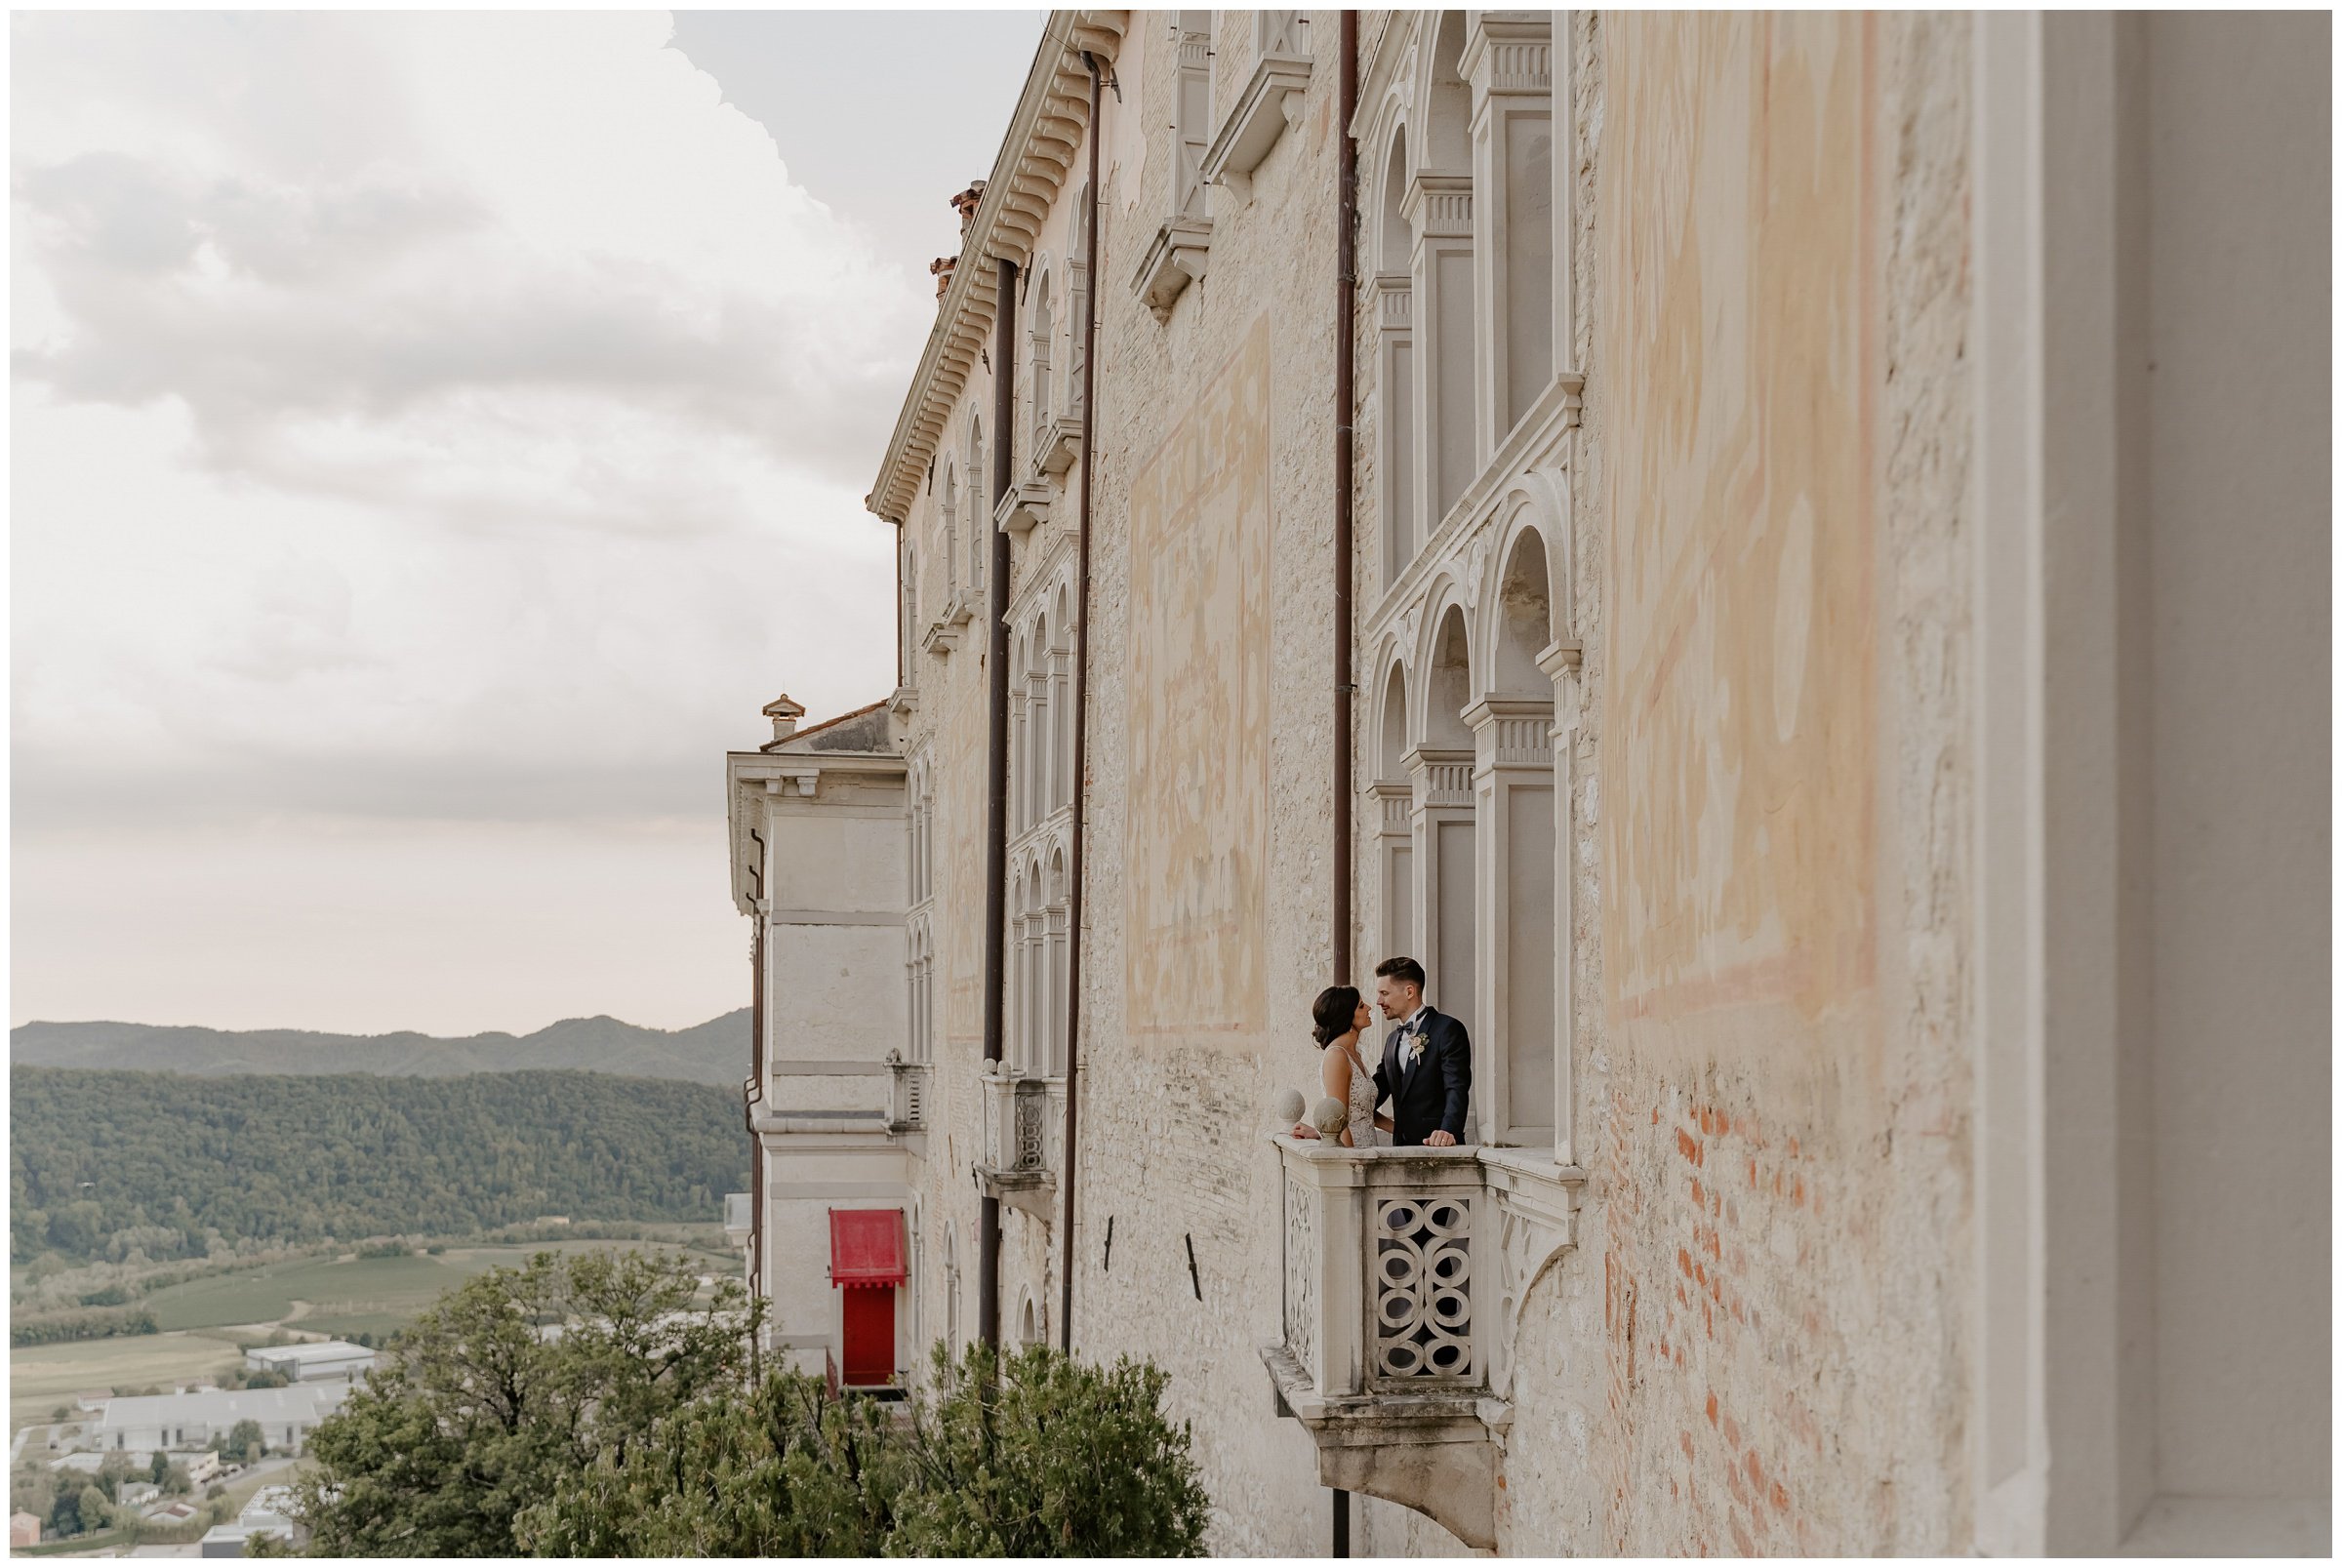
775,1471
112,1472
508,1385
64,1513
245,1442
1044,1456
1040,1456
177,1481
160,1470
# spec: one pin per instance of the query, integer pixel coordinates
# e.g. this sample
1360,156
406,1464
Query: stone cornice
1034,162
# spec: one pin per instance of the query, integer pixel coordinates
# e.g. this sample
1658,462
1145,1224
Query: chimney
967,201
784,714
942,267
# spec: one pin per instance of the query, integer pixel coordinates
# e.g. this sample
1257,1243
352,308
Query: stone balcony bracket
1174,259
1060,444
1026,507
1270,103
1404,1270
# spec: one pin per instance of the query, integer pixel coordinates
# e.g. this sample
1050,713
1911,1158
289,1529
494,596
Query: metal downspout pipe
1346,294
1081,716
995,798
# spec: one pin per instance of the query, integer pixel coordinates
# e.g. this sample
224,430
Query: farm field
331,1297
42,1377
349,1295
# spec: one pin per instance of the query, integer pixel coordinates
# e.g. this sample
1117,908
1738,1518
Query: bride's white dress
1364,1134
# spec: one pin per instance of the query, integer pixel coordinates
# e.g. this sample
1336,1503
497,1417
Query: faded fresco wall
1197,841
1780,1243
1743,740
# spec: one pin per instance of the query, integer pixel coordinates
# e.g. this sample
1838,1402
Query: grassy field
42,1377
342,1296
337,1296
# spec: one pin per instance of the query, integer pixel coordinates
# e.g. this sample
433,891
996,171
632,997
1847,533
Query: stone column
1507,59
1445,872
1390,806
1393,303
1514,1037
1565,663
1438,207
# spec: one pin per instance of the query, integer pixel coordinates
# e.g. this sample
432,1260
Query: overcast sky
433,437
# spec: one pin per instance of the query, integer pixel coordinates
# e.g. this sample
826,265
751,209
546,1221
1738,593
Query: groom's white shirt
1411,1041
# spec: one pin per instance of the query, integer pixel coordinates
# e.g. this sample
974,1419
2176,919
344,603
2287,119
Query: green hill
101,1162
715,1052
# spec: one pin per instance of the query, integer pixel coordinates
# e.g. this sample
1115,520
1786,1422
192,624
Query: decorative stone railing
1019,1163
1388,1253
1403,1272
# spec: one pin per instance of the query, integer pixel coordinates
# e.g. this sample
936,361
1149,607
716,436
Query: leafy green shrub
780,1470
1039,1456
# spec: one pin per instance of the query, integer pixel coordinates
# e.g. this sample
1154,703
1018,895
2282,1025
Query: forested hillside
715,1052
101,1163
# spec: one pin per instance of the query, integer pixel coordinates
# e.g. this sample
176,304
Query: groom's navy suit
1436,1092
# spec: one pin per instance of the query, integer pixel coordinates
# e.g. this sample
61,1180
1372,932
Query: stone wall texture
1757,1344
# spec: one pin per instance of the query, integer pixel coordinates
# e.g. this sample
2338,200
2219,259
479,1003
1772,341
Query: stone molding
1176,257
1272,101
1035,161
1438,206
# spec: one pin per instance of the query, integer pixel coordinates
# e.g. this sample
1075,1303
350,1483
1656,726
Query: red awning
865,1247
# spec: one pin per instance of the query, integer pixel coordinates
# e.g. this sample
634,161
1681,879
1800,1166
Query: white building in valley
190,1421
314,1362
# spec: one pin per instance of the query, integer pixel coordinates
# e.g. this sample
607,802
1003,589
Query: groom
1426,1071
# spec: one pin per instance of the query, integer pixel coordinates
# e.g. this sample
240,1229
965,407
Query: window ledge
1060,444
1270,103
1174,259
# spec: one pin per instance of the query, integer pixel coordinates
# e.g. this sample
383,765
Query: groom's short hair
1402,969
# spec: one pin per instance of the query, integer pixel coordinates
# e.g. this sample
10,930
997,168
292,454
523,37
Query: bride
1342,1017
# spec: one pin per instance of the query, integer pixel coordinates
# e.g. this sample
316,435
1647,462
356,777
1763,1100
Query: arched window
1040,731
1394,361
1190,197
1394,801
1521,861
1061,705
1043,339
1440,203
980,505
951,529
1060,997
1447,854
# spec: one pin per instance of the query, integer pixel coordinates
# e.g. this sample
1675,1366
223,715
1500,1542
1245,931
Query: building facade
1828,675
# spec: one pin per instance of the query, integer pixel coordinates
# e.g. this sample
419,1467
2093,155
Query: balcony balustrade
1021,1114
1404,1270
907,1105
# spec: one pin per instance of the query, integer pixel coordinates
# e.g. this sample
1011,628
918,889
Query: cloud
533,214
437,416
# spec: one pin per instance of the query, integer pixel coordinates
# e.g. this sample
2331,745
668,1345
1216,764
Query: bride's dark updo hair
1336,1008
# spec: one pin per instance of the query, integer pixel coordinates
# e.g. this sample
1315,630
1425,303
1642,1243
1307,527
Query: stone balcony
906,1093
1403,1270
1022,1114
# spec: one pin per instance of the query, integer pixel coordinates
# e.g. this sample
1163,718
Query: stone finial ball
1329,1116
1288,1107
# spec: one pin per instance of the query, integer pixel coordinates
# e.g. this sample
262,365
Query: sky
433,437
